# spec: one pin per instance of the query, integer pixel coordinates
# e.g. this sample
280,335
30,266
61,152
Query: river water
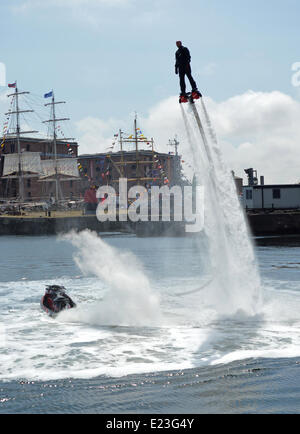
143,339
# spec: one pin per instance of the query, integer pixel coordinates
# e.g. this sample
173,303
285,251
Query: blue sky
110,58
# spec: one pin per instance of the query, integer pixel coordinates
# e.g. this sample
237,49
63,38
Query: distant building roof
119,153
38,140
273,186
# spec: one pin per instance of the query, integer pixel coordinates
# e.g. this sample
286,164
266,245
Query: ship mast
174,143
136,147
54,121
139,163
176,168
18,134
122,153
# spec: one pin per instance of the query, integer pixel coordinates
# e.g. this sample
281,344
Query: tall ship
36,167
43,170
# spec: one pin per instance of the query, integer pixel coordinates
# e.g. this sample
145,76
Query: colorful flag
12,84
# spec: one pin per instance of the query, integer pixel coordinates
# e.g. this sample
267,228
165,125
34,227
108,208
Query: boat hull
50,312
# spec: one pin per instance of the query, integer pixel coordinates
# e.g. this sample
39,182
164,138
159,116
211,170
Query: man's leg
189,76
182,80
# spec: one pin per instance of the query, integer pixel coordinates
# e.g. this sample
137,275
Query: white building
272,196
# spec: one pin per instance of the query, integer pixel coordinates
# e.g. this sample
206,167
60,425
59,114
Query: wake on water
230,306
126,323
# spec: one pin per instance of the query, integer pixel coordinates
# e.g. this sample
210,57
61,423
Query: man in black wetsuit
183,67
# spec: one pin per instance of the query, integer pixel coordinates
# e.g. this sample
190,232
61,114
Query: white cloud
4,106
3,95
255,129
265,131
96,135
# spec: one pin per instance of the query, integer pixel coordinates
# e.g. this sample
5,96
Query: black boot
195,90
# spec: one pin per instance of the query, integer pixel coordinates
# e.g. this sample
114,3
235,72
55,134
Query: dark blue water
252,386
189,359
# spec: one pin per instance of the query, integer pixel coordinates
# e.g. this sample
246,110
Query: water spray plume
129,299
235,282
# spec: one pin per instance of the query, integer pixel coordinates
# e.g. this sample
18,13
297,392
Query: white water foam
191,333
126,324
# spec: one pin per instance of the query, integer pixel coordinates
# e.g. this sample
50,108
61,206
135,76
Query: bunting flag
70,149
6,124
159,170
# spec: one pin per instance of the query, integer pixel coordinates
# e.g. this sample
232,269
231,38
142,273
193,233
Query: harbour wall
261,224
274,223
58,225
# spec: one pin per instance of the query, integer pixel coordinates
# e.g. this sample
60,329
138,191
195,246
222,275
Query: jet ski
56,300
